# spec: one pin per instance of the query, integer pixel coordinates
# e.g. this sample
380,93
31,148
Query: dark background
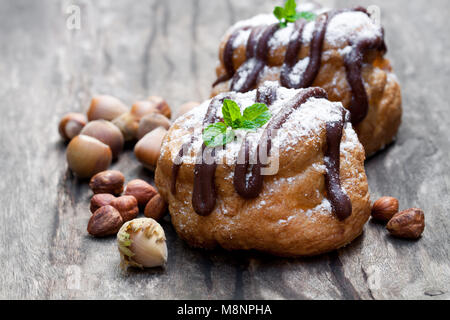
132,49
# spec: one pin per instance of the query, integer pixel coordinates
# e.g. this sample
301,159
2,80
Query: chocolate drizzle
244,79
255,60
250,187
340,202
204,193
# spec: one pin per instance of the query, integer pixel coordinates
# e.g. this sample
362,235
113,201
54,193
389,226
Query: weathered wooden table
132,49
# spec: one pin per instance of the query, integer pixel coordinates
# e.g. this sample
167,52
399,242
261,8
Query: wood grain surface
132,49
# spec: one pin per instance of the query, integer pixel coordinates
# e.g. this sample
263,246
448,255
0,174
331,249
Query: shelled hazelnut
104,222
109,181
407,224
71,125
186,107
87,156
142,244
127,207
128,125
141,190
101,199
384,208
107,133
147,150
150,122
155,208
105,107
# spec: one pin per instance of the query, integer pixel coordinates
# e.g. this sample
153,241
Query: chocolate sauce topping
255,61
340,202
253,66
251,187
204,193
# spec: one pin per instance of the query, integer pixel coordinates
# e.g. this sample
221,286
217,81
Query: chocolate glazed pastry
341,51
316,201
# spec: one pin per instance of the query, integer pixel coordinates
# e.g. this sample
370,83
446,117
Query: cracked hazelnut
127,207
155,208
71,125
407,224
161,105
109,181
141,190
186,107
142,244
99,200
87,156
128,125
104,222
147,150
150,122
105,107
384,208
107,133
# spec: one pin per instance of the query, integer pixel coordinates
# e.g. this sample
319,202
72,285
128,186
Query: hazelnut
107,133
186,107
141,190
155,208
105,107
99,200
384,208
128,125
142,108
71,125
109,181
148,149
87,156
151,121
104,222
127,207
142,244
407,224
161,105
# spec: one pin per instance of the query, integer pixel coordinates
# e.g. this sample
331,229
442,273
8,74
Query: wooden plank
132,49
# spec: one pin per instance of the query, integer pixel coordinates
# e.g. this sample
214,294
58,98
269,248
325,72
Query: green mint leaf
289,8
279,13
217,134
231,113
290,14
308,16
258,113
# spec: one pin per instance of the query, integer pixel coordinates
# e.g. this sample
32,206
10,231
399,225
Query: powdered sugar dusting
323,208
343,28
298,70
351,26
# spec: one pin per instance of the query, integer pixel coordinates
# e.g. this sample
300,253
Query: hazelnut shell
105,107
87,156
107,133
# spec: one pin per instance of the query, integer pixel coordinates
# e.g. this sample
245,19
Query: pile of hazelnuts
98,138
111,209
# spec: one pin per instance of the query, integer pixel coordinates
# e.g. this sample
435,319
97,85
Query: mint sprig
221,133
289,13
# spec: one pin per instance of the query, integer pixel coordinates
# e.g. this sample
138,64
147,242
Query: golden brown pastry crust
289,218
380,126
